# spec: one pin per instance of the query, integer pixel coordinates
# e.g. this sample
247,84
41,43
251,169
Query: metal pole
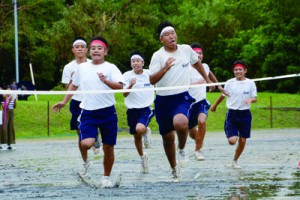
48,118
271,112
16,40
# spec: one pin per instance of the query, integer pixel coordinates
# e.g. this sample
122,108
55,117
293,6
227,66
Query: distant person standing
1,118
169,66
98,110
14,85
79,49
200,108
9,135
242,92
139,112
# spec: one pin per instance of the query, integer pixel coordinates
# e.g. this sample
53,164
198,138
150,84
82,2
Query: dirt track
46,169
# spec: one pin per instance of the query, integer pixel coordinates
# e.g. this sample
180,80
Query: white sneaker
144,164
182,158
176,175
86,167
106,182
147,138
198,155
235,165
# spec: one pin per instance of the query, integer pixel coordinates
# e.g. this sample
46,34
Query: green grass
32,117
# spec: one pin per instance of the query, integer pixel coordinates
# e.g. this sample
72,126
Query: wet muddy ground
47,169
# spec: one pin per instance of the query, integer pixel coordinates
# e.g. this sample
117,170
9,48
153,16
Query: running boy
139,112
170,67
79,49
242,92
98,111
199,110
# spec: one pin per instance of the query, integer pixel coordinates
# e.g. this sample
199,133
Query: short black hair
240,62
136,52
197,45
162,25
78,38
99,38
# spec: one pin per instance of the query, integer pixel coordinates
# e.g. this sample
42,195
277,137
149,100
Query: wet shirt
68,71
138,99
177,75
86,76
238,92
198,93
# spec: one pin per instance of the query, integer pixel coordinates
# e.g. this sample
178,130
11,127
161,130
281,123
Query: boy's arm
157,76
214,79
219,100
58,106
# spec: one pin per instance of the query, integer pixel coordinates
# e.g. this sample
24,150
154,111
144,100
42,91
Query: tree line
264,33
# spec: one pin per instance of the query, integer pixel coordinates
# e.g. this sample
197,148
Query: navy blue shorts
138,115
104,119
238,123
166,107
197,108
75,111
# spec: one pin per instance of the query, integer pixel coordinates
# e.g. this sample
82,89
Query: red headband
197,49
239,65
98,42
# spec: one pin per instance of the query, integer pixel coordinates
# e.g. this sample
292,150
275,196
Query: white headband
79,41
136,56
167,28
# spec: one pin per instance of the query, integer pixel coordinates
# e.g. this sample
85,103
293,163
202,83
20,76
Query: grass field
35,118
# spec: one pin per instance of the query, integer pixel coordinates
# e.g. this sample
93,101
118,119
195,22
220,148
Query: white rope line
136,90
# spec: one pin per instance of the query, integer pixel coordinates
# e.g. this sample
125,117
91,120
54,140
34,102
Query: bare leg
140,131
169,147
86,144
240,148
108,159
79,144
180,122
201,131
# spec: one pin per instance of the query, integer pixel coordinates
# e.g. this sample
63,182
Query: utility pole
16,39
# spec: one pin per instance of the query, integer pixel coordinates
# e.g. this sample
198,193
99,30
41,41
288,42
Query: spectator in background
14,85
1,118
9,104
22,96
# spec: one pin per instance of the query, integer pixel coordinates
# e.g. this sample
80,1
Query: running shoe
1,147
198,155
144,164
176,175
86,166
182,158
106,182
9,147
147,138
235,165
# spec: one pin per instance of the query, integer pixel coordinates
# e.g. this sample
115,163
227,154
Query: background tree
263,33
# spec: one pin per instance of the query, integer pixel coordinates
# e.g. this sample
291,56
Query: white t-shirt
67,74
198,93
138,99
239,91
178,75
86,76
